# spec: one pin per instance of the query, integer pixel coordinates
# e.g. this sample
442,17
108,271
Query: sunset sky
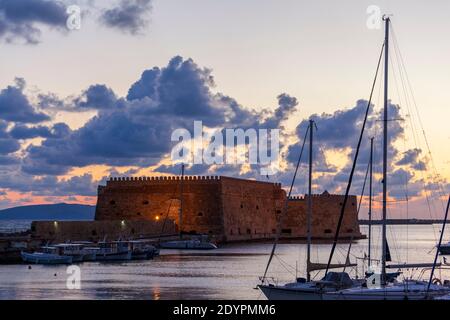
78,106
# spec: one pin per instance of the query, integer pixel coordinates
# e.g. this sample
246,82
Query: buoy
29,267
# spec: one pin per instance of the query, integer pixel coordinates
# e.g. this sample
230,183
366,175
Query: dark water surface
231,272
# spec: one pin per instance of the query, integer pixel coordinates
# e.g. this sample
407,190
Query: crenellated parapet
296,198
138,181
142,181
324,195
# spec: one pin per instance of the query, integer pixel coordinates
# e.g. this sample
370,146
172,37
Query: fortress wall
158,197
325,215
231,209
249,208
62,231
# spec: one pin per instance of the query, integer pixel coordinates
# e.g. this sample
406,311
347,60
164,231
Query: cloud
130,16
23,132
286,106
8,160
145,86
83,185
412,158
137,130
14,105
51,102
7,143
20,20
339,132
97,97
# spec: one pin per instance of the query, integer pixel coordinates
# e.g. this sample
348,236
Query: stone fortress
228,209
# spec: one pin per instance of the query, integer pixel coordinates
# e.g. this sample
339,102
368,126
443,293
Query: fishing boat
197,243
77,251
47,255
142,250
111,251
305,288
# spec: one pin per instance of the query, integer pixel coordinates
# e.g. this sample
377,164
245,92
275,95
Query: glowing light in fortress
122,223
55,223
157,218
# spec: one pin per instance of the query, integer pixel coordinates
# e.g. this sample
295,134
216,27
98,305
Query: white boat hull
45,258
284,293
394,292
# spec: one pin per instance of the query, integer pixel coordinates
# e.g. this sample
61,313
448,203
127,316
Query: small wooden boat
48,255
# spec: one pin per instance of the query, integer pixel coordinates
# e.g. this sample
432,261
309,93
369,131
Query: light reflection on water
231,272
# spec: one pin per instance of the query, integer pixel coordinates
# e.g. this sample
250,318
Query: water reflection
231,272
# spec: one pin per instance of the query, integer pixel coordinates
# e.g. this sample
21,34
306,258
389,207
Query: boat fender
437,281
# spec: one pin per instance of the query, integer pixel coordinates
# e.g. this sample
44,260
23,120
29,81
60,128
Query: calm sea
231,272
11,226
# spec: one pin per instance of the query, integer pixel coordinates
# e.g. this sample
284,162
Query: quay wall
61,231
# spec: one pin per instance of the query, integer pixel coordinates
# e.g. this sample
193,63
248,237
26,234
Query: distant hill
59,211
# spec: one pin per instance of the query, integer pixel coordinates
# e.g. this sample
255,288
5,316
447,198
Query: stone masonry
228,209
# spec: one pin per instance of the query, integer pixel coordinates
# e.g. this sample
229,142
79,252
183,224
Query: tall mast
385,148
180,217
309,218
370,199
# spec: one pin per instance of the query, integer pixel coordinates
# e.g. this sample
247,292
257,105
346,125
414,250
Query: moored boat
48,255
77,251
379,285
309,290
142,250
404,290
190,244
111,251
407,289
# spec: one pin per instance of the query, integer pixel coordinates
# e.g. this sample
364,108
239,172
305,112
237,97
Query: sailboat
305,288
195,242
346,288
407,289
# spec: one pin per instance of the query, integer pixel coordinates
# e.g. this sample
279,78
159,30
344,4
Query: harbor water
230,272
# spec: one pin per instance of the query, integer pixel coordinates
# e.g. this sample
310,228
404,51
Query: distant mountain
59,211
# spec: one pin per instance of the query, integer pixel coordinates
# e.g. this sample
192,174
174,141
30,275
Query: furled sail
323,266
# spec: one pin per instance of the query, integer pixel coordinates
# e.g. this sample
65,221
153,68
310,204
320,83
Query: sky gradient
209,59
